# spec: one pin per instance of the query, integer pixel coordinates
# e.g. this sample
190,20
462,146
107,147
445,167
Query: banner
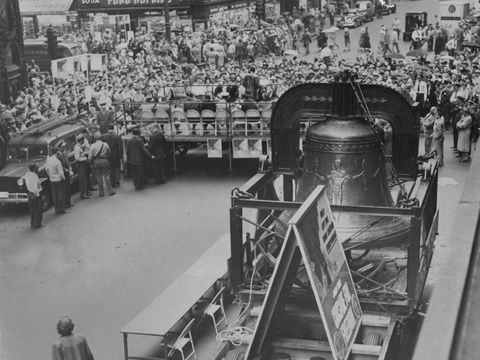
328,271
214,148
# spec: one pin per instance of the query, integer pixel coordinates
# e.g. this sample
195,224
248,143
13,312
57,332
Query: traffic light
51,42
260,9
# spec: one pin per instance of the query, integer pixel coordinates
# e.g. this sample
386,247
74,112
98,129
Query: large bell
344,154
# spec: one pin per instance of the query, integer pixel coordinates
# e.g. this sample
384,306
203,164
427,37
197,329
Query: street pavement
108,258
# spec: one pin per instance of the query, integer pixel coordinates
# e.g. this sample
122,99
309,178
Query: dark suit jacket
157,145
104,119
115,144
136,151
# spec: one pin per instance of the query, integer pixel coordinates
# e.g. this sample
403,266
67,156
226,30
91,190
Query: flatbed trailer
389,275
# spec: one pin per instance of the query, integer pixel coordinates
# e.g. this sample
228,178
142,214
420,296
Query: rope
236,334
363,103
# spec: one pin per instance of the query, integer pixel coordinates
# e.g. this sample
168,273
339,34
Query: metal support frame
413,261
236,247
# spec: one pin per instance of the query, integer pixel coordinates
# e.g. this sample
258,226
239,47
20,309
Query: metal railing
450,329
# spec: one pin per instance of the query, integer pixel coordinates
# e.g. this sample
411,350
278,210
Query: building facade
13,76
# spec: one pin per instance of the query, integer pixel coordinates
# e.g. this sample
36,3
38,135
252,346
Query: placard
247,148
214,148
240,148
327,268
88,93
255,148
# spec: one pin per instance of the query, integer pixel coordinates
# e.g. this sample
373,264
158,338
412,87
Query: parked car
352,19
366,9
33,146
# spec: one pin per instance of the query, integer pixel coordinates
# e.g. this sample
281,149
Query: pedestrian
395,38
56,176
428,122
34,187
346,36
81,151
99,154
306,39
438,137
115,144
67,171
463,127
136,153
156,146
70,346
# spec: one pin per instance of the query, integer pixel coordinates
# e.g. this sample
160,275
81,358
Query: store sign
116,4
45,7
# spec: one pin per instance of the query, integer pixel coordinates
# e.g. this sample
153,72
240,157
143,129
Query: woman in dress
437,137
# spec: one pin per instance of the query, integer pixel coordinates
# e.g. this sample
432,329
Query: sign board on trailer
314,228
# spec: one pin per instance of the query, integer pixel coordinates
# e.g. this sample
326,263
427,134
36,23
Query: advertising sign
214,148
328,271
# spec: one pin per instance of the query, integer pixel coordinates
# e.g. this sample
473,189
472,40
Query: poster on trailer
327,268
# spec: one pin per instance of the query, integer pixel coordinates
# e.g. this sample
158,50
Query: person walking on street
156,146
136,153
81,151
34,187
99,154
306,39
114,142
346,36
57,182
67,171
70,346
394,35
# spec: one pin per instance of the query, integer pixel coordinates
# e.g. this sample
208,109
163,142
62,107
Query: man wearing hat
115,144
136,153
81,151
67,170
104,117
34,187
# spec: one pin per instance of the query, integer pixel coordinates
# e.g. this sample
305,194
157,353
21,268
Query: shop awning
44,7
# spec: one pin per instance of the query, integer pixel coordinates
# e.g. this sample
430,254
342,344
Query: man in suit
104,117
156,146
136,153
114,142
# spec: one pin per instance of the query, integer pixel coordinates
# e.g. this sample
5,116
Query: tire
46,197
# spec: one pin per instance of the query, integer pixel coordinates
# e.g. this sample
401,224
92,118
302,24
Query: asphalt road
109,257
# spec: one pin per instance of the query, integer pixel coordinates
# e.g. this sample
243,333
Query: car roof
67,43
47,137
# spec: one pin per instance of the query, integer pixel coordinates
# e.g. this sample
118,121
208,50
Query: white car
352,19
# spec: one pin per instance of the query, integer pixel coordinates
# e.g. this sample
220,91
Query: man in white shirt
57,182
34,187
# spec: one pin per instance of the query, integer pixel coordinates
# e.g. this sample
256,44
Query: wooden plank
302,344
375,320
362,349
387,339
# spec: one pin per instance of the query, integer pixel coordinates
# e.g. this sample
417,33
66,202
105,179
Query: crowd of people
245,66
